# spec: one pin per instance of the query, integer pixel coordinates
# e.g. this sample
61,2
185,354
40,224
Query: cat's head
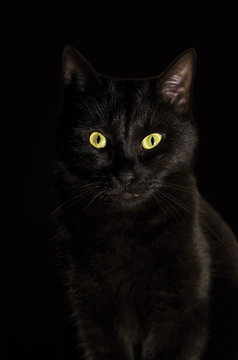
121,140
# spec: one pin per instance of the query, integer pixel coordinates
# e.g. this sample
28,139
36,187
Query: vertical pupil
98,139
152,141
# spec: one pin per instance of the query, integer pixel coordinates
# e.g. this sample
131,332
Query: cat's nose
126,176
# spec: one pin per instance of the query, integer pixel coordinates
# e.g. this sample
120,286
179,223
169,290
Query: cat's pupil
152,141
98,139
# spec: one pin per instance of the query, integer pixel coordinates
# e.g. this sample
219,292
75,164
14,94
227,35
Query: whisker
179,187
158,203
82,191
173,209
66,204
176,201
94,199
170,206
184,207
212,231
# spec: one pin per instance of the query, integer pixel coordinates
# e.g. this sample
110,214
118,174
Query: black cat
151,269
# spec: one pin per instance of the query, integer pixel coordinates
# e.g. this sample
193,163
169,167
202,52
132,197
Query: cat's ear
76,69
175,84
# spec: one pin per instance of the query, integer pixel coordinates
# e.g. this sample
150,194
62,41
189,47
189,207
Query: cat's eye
97,140
151,141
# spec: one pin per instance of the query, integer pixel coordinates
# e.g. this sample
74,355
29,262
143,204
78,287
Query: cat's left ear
76,69
175,84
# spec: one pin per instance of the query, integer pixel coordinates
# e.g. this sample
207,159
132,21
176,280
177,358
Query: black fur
150,268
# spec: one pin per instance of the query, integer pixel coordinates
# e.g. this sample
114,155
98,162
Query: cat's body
151,268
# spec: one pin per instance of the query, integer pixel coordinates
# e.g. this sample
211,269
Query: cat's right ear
76,69
176,82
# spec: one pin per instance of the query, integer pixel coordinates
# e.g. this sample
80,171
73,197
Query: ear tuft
76,68
176,82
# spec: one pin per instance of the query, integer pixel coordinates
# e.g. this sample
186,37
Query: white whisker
172,199
82,192
98,195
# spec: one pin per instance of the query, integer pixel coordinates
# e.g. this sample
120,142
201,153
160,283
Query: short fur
150,267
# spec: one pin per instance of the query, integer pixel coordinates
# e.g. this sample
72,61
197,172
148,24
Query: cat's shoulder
222,241
210,217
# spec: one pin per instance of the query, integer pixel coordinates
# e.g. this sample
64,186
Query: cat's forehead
132,91
131,103
123,107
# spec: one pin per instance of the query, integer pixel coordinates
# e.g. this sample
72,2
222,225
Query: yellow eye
151,141
97,140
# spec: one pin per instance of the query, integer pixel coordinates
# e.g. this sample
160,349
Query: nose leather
126,176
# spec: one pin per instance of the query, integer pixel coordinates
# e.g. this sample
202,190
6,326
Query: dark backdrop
35,321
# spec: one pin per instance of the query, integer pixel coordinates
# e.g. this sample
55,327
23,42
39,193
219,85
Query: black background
118,43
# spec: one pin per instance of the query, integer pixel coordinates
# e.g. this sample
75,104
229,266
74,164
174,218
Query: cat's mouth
129,196
125,198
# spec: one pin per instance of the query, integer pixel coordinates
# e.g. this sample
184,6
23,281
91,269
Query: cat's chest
122,264
125,257
125,268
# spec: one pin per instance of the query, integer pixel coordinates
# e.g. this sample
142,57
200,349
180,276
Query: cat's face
122,140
